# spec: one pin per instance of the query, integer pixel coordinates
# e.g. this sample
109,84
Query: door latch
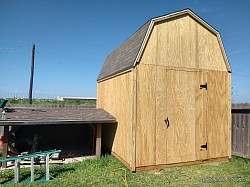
204,146
203,86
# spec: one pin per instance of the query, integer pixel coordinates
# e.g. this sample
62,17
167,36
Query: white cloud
237,51
204,10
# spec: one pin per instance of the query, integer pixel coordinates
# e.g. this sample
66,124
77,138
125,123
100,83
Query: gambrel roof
123,57
128,54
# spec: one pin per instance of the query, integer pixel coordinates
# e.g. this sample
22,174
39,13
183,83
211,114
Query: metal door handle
167,122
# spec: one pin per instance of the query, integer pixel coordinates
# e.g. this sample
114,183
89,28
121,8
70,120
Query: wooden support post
5,144
98,139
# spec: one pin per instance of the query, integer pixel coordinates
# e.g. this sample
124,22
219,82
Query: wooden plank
113,76
174,43
229,114
237,132
150,50
134,117
244,134
109,104
100,94
145,132
209,52
222,49
247,139
181,114
233,133
161,115
116,98
178,43
217,119
193,35
124,101
240,131
98,140
200,113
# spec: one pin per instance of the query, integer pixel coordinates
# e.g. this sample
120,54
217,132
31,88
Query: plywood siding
181,115
182,42
161,115
201,116
217,115
145,131
115,96
208,50
166,94
150,53
174,43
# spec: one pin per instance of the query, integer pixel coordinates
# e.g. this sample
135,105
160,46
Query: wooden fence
241,129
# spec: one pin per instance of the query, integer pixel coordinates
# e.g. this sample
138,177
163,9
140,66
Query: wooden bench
31,156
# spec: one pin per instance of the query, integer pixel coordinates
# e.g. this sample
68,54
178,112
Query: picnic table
32,157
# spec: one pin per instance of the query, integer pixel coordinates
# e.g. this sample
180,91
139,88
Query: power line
240,75
14,50
26,42
243,71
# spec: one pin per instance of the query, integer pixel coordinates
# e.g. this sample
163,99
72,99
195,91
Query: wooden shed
168,86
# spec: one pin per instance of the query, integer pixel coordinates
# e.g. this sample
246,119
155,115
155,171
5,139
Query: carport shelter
65,125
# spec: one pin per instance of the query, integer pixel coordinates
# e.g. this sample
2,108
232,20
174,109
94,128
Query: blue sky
73,38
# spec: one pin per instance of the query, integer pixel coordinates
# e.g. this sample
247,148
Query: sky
74,37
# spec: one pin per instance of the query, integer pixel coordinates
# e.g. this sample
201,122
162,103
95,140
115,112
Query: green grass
50,102
99,172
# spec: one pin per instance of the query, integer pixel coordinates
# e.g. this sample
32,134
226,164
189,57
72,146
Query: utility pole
32,73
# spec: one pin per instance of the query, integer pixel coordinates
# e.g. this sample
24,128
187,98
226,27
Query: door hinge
204,146
203,86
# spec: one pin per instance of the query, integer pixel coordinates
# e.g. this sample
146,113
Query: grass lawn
100,172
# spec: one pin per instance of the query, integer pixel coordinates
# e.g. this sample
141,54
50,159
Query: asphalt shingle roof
124,56
42,116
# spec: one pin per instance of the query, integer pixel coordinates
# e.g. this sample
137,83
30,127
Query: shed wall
115,96
179,56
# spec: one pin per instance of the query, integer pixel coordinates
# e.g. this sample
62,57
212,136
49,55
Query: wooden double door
192,114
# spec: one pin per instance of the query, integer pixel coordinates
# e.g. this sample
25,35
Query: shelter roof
42,116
